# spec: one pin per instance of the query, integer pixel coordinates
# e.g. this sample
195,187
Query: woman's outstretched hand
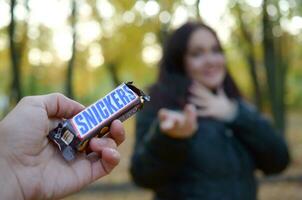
178,125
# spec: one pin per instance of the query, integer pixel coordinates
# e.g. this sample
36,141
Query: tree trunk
71,63
275,70
112,68
16,91
250,57
198,14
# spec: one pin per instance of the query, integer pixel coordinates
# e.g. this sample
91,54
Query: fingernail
117,121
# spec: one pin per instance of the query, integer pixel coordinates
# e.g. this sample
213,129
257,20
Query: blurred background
85,48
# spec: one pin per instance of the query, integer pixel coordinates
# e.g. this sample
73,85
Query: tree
276,61
15,57
71,63
273,52
249,54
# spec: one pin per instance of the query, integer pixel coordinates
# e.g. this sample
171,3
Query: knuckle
57,94
28,100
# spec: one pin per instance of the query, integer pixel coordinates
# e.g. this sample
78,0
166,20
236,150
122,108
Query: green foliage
123,39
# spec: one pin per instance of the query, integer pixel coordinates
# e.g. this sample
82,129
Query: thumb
53,123
59,106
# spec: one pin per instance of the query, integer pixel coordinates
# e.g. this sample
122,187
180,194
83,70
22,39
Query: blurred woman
198,138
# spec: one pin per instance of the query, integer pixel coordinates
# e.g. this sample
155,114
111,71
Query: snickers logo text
90,118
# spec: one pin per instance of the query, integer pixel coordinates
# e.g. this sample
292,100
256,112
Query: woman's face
204,60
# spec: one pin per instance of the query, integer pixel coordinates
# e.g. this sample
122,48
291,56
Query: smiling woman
198,136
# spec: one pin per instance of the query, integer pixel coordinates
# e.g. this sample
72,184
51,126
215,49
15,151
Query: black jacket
217,163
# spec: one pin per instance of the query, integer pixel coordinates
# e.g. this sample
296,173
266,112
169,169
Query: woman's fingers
163,114
197,89
191,116
167,125
178,124
165,122
198,102
190,113
170,119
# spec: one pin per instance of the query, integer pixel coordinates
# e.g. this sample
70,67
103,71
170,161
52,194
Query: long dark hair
171,88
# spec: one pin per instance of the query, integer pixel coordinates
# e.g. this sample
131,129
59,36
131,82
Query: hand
178,124
217,106
33,167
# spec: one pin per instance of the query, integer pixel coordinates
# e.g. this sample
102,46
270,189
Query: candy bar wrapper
73,135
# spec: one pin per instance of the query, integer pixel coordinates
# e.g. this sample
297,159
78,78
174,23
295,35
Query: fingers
203,107
102,161
59,106
198,102
167,125
117,132
98,144
198,90
116,135
179,124
110,159
163,114
206,101
191,116
169,119
106,149
165,122
190,113
109,156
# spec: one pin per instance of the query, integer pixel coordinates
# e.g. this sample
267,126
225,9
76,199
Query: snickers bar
73,135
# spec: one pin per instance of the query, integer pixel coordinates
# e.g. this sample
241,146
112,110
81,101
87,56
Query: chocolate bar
73,135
